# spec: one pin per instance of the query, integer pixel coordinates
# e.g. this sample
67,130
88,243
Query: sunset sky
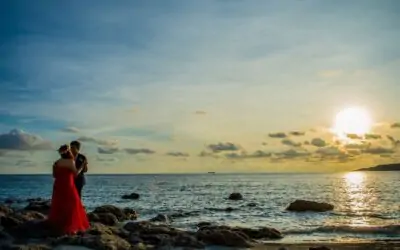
197,86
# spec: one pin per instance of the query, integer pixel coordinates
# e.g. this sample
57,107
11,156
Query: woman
67,214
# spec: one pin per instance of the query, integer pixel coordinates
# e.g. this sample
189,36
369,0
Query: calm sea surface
367,204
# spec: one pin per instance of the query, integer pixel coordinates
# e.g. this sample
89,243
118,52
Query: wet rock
98,242
181,214
228,209
223,237
34,229
252,204
132,196
27,247
108,219
319,248
39,205
9,222
261,233
146,227
303,206
121,214
5,210
130,214
203,224
161,218
98,229
235,196
187,240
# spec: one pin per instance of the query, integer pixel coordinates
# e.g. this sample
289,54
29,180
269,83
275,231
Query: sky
195,86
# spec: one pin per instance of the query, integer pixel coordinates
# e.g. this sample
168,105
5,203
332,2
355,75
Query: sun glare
352,121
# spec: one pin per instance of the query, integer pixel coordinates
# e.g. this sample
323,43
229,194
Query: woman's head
65,152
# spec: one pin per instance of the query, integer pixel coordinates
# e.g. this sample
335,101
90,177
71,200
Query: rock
34,229
187,240
181,214
10,222
5,210
235,196
146,227
203,224
107,219
98,229
130,214
161,218
132,196
261,233
319,248
39,205
27,247
228,209
121,214
252,204
98,242
223,237
303,206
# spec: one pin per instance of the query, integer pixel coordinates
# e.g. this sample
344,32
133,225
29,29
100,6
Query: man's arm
85,165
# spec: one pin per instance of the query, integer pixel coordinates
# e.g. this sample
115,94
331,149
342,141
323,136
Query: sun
353,120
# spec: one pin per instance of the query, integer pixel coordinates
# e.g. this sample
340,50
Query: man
81,165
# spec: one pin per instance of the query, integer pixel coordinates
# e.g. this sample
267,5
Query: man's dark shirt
79,164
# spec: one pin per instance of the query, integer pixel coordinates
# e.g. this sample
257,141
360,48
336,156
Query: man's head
75,147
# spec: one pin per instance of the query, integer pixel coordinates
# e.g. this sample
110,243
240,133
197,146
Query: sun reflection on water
358,197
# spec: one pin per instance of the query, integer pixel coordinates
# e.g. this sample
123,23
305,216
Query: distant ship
211,172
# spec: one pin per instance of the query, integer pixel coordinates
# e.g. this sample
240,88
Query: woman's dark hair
64,151
75,144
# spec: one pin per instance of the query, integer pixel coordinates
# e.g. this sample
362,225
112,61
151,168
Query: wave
370,215
384,230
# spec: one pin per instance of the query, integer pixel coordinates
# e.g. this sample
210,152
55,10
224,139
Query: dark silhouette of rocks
132,196
312,206
235,197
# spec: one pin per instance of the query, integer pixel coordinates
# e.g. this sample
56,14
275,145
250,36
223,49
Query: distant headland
385,167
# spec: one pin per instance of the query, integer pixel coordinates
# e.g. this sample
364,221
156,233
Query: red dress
67,214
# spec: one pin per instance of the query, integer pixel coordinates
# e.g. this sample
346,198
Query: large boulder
132,196
235,196
5,210
304,206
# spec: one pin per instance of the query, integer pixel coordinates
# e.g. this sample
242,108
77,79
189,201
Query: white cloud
70,130
19,140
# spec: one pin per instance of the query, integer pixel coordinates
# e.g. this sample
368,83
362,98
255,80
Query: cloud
97,141
307,143
70,130
357,145
135,151
330,151
297,133
354,136
292,154
290,143
318,142
277,135
243,155
372,136
394,142
395,125
19,140
25,163
178,154
102,150
102,159
378,150
200,112
223,146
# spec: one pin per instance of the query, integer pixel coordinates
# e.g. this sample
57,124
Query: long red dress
67,214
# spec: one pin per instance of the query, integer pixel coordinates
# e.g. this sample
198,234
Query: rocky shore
114,228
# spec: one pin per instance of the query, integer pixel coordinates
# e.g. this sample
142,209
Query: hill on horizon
383,167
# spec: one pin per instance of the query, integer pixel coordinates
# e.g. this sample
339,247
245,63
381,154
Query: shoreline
381,245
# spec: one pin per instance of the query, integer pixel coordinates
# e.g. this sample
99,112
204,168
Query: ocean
367,204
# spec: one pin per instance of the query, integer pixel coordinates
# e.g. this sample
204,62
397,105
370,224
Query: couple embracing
67,214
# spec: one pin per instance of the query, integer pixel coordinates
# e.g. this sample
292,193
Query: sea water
367,204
